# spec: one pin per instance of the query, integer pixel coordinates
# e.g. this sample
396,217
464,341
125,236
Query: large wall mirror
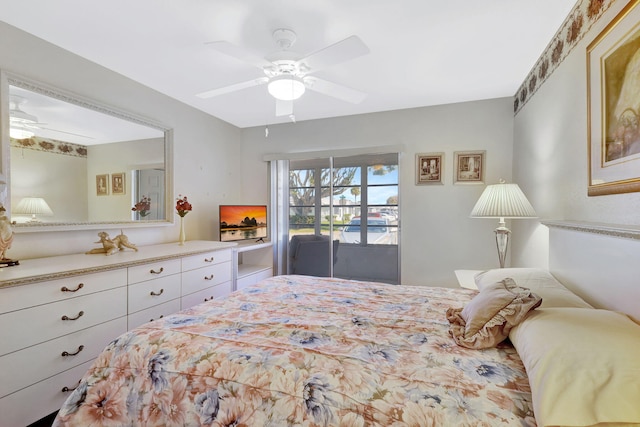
72,163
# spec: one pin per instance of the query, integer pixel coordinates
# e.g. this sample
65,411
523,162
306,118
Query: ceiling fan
23,125
287,75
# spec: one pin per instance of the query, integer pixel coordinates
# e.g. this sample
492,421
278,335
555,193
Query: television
243,222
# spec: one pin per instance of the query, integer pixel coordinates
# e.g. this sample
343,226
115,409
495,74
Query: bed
307,351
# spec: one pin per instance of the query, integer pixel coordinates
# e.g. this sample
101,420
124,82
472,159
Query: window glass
359,184
301,220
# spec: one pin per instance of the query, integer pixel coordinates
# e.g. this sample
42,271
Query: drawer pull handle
208,299
66,353
152,271
208,259
210,277
161,316
154,294
65,317
65,289
66,389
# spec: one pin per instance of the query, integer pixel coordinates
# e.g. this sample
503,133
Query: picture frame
102,184
118,183
613,110
469,167
429,168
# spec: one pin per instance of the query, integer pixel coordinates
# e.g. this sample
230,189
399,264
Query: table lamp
502,201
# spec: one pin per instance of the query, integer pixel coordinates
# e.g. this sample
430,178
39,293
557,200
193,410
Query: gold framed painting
102,184
117,183
613,105
468,167
429,168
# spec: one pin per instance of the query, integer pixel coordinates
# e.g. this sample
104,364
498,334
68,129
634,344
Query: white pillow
583,366
539,281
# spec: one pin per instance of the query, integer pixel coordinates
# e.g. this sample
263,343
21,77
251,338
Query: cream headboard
598,262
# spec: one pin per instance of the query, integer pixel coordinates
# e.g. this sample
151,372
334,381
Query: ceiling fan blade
239,53
35,127
335,90
342,51
68,133
232,88
284,108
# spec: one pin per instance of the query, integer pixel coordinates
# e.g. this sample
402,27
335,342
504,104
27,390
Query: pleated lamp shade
32,206
503,201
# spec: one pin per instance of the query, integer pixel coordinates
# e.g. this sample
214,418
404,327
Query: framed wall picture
117,183
613,101
429,168
102,185
468,167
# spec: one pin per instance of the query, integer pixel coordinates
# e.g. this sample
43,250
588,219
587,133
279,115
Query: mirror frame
9,79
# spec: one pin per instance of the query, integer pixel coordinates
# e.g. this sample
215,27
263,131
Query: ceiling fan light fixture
286,87
17,133
16,115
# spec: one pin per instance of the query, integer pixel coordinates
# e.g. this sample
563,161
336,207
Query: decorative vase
182,237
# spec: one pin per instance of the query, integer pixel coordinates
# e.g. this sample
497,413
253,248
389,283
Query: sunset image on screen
236,214
243,222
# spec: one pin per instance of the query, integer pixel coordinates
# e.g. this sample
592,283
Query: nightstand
466,278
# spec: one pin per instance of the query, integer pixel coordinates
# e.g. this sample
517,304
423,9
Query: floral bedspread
304,351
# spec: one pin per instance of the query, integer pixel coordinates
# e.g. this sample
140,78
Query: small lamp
32,206
286,87
503,201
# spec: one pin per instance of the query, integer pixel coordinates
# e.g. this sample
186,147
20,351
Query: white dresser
58,313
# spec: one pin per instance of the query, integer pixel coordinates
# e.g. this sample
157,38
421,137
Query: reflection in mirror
89,163
148,190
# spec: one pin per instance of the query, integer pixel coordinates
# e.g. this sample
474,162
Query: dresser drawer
23,328
28,366
18,409
204,260
203,278
153,270
153,313
20,297
217,291
153,292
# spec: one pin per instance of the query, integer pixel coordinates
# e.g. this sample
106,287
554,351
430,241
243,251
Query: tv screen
243,222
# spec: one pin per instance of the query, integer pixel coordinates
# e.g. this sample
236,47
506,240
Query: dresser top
57,267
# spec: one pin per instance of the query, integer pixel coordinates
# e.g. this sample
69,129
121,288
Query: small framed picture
429,168
468,167
117,183
102,185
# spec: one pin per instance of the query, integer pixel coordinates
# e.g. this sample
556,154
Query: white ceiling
64,121
423,52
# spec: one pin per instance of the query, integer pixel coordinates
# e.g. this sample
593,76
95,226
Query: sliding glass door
342,217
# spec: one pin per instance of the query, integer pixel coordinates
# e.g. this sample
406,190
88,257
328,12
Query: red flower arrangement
143,206
183,206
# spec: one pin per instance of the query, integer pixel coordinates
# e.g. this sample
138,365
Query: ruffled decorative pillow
487,319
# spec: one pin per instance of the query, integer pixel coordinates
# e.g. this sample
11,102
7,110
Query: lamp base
502,243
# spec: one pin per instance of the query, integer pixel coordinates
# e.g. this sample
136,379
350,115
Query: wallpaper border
50,146
578,23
